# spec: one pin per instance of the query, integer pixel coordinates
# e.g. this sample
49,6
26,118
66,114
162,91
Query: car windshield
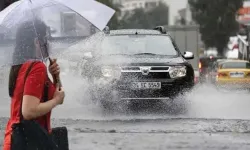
235,65
138,44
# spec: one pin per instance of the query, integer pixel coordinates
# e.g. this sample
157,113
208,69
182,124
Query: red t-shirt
34,86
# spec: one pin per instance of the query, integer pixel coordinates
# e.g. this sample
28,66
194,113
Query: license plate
146,85
237,74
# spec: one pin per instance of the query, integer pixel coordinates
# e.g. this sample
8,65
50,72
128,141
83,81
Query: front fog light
177,71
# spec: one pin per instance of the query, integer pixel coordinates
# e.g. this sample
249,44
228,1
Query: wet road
172,134
215,121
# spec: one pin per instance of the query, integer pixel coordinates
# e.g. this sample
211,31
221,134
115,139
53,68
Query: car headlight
177,71
111,72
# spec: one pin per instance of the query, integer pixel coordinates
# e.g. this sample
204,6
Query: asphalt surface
214,120
174,134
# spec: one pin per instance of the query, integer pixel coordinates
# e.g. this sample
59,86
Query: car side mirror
188,55
87,55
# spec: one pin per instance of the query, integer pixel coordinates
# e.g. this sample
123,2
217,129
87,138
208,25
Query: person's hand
59,95
54,68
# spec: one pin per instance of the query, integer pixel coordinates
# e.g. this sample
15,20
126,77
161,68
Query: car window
134,44
235,65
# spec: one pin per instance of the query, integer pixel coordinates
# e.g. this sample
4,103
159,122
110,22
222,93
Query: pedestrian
33,95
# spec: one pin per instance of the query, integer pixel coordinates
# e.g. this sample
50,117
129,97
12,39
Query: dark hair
25,47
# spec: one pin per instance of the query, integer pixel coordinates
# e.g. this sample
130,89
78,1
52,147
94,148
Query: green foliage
147,19
139,18
216,19
159,15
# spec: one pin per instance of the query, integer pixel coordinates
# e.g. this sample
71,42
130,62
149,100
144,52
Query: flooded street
128,52
214,120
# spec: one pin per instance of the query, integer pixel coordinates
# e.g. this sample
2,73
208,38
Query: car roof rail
106,30
161,29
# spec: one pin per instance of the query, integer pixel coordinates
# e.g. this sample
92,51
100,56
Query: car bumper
121,90
233,83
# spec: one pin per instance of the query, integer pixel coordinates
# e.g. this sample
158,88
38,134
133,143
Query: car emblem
145,70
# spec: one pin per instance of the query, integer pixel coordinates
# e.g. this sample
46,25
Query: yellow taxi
234,74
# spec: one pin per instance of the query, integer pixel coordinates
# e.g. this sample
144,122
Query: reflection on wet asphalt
214,120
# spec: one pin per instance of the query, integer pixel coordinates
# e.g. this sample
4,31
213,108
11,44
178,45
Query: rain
206,117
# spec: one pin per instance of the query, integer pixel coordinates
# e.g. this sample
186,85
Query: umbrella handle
56,77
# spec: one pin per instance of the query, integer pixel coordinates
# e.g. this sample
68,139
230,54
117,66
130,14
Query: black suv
136,64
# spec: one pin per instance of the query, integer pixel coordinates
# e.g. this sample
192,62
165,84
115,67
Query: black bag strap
45,94
45,99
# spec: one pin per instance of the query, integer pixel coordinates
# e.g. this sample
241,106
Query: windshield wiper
145,54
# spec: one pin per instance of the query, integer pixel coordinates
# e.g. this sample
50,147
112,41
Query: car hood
139,60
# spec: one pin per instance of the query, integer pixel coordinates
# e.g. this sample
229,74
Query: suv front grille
160,68
145,72
139,76
130,69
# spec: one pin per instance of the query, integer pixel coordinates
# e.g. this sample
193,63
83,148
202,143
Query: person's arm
54,79
54,70
32,108
33,91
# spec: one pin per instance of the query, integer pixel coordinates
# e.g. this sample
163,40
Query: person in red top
31,91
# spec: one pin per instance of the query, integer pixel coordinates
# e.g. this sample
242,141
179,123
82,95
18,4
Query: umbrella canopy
35,29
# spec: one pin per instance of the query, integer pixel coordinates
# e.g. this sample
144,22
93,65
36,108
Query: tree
217,20
140,18
183,21
114,22
159,15
137,20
